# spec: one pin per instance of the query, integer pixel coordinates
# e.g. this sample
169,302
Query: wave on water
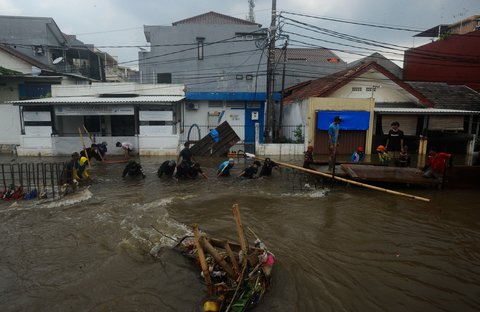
68,200
306,192
151,227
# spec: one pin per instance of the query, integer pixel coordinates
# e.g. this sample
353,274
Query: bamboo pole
230,253
381,189
202,260
93,142
83,144
240,231
218,258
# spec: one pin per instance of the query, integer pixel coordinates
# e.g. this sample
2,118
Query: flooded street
338,248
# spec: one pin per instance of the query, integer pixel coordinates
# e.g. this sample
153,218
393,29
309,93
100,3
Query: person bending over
133,169
167,168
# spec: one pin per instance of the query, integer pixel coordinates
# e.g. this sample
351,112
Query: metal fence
31,180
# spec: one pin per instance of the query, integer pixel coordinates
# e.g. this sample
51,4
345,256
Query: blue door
253,114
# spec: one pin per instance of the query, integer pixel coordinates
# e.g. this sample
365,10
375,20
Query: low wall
279,149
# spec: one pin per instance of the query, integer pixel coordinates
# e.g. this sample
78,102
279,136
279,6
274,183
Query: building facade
145,115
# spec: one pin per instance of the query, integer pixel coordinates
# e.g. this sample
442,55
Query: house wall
10,128
453,60
234,116
219,62
338,104
9,61
375,85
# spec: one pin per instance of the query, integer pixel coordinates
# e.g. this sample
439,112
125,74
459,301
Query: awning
82,100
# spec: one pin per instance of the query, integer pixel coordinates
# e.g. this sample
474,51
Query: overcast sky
120,22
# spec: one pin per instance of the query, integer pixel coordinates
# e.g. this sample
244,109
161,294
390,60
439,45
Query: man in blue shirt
224,169
333,130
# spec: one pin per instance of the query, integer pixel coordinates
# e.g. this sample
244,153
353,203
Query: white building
145,115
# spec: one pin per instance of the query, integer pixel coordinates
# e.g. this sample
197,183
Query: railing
31,180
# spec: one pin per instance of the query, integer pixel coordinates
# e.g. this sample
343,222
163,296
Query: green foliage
444,36
298,133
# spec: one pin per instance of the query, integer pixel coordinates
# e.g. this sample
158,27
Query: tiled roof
447,96
322,86
215,19
382,61
320,55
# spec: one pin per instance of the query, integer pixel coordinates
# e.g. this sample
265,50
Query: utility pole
280,115
270,126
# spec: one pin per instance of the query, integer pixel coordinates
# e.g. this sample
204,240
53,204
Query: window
200,41
215,104
164,78
236,104
249,77
370,89
356,89
239,77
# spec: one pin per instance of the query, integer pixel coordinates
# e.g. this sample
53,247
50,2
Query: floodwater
338,248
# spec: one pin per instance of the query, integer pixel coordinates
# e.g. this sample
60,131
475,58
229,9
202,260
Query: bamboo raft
236,275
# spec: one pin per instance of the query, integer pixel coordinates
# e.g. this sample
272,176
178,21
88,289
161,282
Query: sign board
155,115
95,110
36,116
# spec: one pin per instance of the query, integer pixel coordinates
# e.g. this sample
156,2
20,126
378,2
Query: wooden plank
207,146
388,174
348,170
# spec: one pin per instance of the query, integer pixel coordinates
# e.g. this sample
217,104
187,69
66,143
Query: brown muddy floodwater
338,248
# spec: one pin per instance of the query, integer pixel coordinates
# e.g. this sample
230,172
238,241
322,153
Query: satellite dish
57,60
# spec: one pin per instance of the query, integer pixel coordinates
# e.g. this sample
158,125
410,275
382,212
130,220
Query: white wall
11,62
235,117
386,91
9,124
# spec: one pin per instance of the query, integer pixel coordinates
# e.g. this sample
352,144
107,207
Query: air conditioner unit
192,106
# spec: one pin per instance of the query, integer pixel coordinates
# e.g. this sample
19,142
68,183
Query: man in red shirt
435,164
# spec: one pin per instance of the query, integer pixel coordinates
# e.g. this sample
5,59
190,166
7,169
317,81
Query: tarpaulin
351,120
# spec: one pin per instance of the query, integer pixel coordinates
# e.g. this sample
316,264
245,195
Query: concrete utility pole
251,13
270,126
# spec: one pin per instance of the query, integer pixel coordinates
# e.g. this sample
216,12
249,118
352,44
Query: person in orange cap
358,155
308,157
383,156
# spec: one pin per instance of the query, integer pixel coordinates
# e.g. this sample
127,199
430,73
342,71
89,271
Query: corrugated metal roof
426,111
103,100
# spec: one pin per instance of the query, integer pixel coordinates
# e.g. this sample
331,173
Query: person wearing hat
333,134
383,156
224,168
82,172
358,155
167,168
